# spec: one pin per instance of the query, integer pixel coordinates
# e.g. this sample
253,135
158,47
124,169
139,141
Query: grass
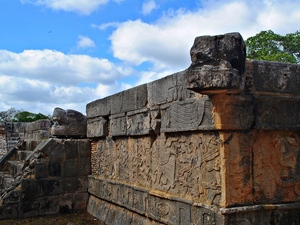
83,218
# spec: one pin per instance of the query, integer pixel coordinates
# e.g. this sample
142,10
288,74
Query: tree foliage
270,46
14,115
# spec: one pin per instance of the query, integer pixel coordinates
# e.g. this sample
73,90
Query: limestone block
100,107
70,168
50,186
68,123
29,209
97,127
118,125
187,115
128,100
274,77
218,63
11,197
70,184
167,211
10,211
277,113
276,176
204,215
49,205
139,122
233,112
168,89
80,201
41,170
237,184
30,189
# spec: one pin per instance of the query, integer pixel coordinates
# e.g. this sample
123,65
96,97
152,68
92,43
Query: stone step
22,154
14,167
6,179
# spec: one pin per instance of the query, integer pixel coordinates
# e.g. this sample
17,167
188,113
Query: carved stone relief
278,113
187,115
276,166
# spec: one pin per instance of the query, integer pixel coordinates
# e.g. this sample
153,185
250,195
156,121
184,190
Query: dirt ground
83,218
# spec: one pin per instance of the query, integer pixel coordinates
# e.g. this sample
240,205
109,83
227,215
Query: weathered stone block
68,123
139,122
97,127
233,112
49,205
274,77
100,107
70,185
30,189
192,114
129,100
9,211
29,209
82,184
276,173
84,166
13,196
50,186
54,168
168,89
41,170
277,113
71,149
70,168
118,126
66,203
80,201
218,63
84,148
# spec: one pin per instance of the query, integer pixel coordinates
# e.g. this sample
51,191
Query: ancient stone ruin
217,143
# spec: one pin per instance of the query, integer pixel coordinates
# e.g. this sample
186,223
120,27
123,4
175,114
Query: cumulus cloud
85,42
33,77
59,68
78,6
148,7
166,42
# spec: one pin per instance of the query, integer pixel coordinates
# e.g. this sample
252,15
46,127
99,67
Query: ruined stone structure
44,175
218,143
10,134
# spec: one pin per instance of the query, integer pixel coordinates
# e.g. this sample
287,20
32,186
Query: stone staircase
11,167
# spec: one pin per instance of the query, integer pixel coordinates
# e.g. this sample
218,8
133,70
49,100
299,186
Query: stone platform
217,143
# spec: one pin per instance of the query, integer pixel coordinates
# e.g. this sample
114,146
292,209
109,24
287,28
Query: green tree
26,116
14,115
270,46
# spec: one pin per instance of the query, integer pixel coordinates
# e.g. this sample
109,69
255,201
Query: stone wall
10,134
49,176
218,143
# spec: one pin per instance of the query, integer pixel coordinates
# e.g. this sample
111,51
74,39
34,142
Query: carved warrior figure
68,123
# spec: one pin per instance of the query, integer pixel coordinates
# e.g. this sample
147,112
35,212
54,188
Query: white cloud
78,6
166,42
59,68
148,7
85,42
33,77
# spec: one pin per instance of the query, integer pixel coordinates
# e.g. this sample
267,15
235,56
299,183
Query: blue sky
67,53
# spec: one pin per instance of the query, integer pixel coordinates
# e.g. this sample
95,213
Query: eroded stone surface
217,143
68,123
218,63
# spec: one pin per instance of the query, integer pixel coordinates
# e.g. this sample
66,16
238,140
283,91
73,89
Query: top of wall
187,100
